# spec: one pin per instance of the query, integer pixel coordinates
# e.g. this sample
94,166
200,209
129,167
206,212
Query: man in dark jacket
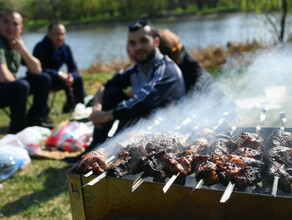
155,81
53,53
197,79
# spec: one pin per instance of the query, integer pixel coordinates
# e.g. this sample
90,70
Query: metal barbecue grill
113,198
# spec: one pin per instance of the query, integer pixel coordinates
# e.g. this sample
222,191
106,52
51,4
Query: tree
270,8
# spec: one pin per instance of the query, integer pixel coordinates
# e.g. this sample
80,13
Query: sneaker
68,107
47,125
70,103
49,119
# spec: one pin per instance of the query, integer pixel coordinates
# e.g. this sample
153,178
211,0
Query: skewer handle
283,120
227,193
170,182
137,184
198,186
95,180
275,186
262,118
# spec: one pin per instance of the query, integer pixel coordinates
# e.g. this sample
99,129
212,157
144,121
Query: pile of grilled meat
213,158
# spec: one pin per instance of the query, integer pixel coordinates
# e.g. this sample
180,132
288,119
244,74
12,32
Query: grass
39,191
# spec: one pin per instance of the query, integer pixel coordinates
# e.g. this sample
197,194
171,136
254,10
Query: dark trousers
77,87
112,96
15,95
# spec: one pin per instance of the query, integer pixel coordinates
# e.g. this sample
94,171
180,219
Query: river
107,43
266,80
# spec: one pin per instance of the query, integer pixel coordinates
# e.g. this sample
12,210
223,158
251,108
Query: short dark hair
9,12
141,23
55,23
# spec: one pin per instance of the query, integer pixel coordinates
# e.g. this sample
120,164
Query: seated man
14,92
155,80
53,53
197,79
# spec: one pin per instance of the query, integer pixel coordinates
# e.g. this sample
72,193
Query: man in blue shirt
154,79
14,92
53,52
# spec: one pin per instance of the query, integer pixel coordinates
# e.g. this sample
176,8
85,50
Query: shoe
68,108
70,103
49,119
47,125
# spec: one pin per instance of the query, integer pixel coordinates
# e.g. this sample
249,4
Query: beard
147,58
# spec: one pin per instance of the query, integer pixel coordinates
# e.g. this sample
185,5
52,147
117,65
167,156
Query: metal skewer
95,180
227,193
198,185
170,182
262,118
276,178
109,160
137,182
275,186
283,120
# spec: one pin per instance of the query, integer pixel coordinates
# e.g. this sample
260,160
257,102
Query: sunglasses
137,24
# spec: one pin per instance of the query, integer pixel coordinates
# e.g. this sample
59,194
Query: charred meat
243,171
280,138
277,161
92,161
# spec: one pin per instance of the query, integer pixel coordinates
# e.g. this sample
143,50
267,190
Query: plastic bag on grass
10,144
9,165
81,112
71,136
32,137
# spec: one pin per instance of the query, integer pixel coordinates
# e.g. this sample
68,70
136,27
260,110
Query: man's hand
67,78
98,118
18,45
33,64
70,80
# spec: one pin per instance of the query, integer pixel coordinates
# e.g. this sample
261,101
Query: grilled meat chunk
119,168
280,138
279,170
250,140
277,161
248,152
160,165
207,171
87,160
243,171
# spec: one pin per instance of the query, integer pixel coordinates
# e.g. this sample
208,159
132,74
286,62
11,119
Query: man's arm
5,74
32,63
152,95
98,97
98,117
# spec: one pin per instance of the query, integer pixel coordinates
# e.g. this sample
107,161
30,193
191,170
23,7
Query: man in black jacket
53,53
197,79
154,79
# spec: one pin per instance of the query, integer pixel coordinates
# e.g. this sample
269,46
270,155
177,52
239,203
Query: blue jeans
15,95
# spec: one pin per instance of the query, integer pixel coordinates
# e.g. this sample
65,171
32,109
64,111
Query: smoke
260,80
250,83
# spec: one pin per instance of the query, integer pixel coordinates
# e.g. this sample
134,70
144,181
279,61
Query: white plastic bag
81,111
31,137
10,144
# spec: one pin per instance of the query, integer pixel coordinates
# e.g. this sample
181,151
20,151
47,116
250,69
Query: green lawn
39,191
